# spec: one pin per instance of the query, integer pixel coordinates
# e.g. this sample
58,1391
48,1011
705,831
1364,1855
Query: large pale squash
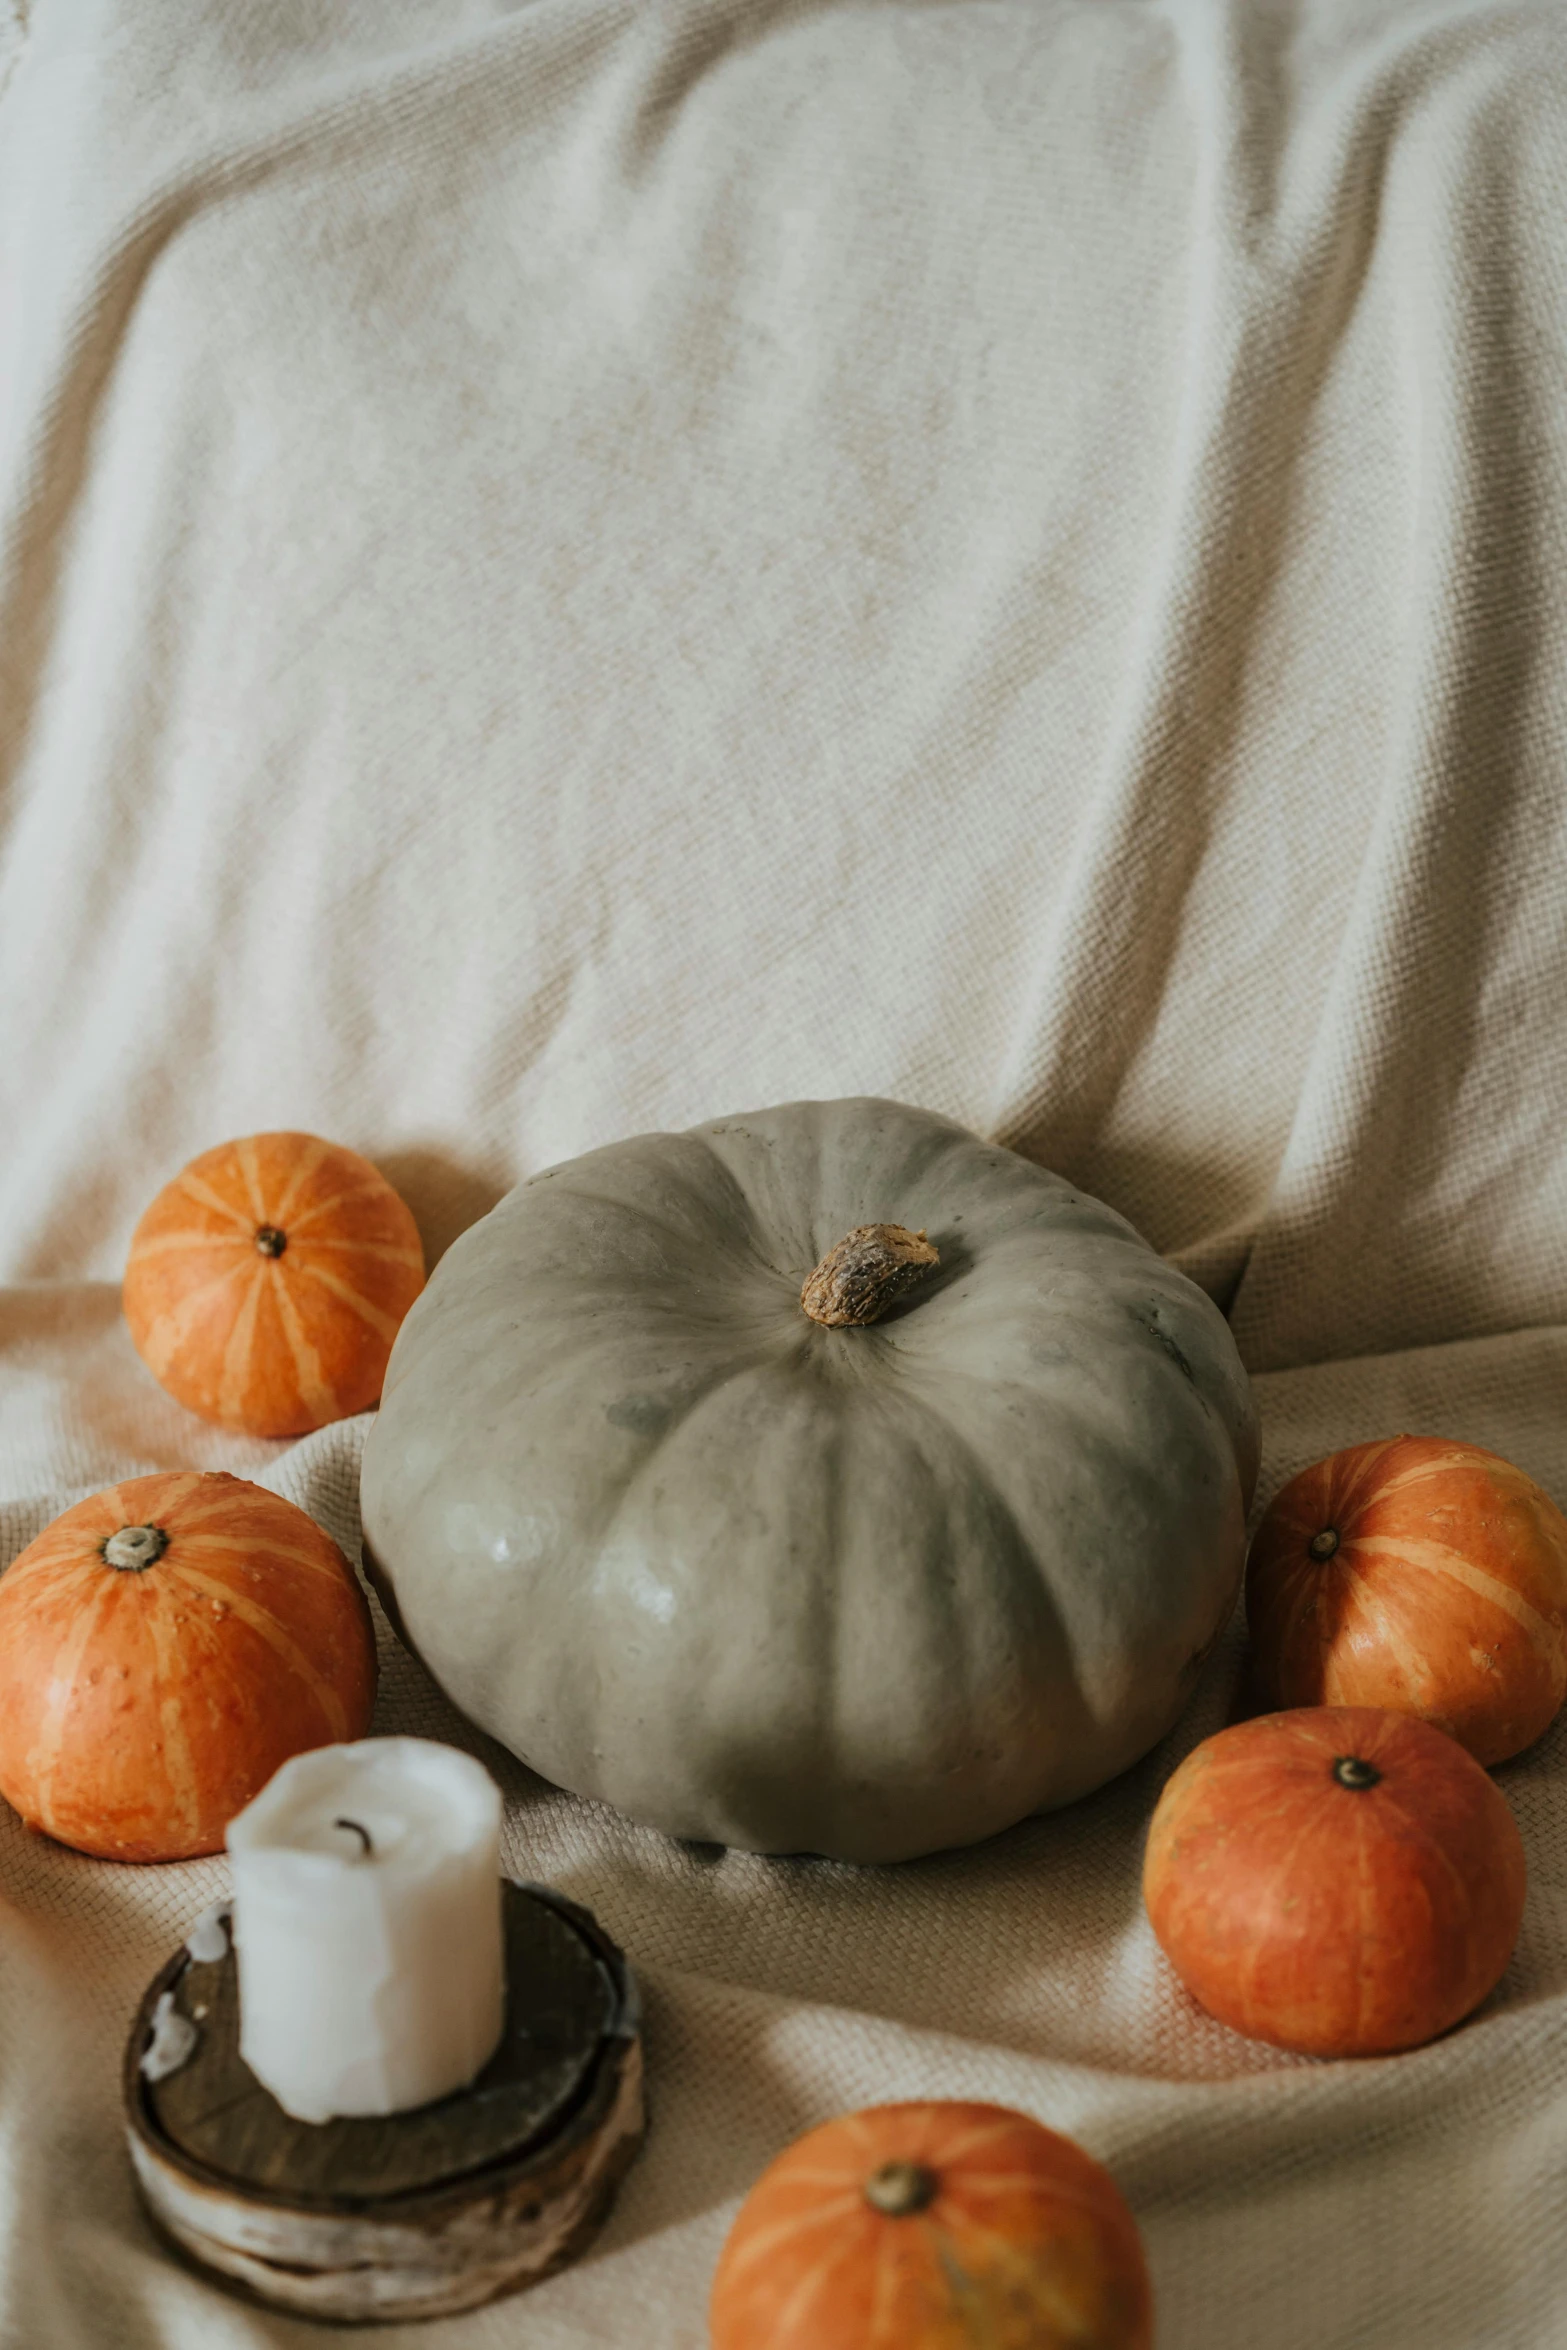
861,1590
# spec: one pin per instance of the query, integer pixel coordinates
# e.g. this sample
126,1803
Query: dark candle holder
403,2215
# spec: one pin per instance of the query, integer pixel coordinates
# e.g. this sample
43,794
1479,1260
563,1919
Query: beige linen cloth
573,568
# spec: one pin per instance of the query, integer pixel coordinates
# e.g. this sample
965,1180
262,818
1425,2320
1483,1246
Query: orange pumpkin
164,1646
933,2227
266,1283
1418,1574
1339,1881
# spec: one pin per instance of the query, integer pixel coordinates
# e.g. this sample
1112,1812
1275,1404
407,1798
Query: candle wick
362,1833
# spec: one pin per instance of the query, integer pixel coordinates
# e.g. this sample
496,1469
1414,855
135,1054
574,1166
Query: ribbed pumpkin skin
273,1344
1027,2244
1335,1920
867,1592
141,1709
1446,1596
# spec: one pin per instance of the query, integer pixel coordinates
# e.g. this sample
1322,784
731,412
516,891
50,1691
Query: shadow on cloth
444,1195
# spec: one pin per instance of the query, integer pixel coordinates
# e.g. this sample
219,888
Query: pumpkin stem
866,1273
1351,1771
135,1548
899,2189
1323,1545
270,1242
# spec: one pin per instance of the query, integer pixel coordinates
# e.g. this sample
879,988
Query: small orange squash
1419,1574
933,2226
266,1283
164,1646
1339,1881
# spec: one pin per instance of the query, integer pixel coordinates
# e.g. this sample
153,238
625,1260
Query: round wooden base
412,2214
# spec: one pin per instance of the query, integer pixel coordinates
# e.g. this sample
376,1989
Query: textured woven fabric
573,568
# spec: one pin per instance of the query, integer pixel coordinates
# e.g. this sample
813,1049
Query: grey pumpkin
864,1590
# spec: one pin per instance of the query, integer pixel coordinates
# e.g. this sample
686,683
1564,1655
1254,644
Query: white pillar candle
367,1926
